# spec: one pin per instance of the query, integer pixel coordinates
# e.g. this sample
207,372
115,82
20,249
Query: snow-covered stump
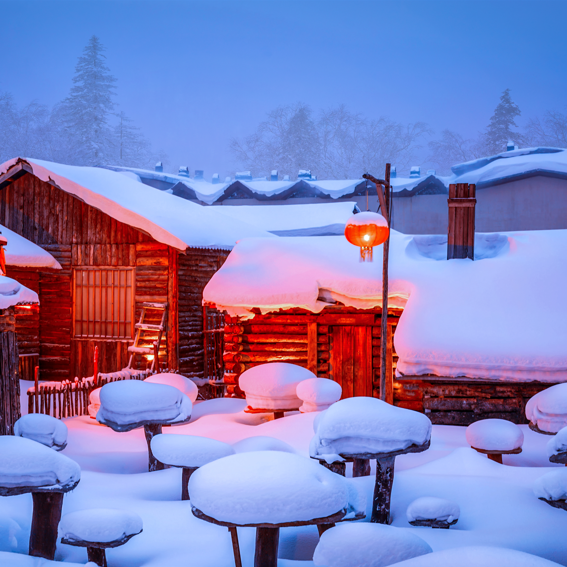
318,394
552,488
98,530
557,448
367,428
495,437
433,513
188,452
27,466
269,490
131,404
9,359
183,384
44,429
547,410
272,387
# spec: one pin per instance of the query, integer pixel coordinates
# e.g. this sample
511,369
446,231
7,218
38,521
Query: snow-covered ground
497,503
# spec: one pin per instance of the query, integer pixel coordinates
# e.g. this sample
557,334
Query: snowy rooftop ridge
168,219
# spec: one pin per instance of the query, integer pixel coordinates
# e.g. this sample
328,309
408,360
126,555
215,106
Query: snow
480,556
129,402
548,409
552,486
23,253
188,450
273,385
318,394
13,293
262,443
453,299
26,463
368,217
432,508
183,384
494,435
558,443
267,487
8,559
44,429
99,525
367,545
171,220
291,217
367,425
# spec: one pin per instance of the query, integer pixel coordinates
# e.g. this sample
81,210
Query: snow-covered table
552,488
130,404
27,466
557,448
367,428
495,437
433,512
44,429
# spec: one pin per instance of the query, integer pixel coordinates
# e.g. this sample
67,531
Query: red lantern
366,230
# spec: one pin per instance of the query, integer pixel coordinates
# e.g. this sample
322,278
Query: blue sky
193,74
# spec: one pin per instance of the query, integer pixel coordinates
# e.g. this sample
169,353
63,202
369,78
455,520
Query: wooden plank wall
195,269
288,336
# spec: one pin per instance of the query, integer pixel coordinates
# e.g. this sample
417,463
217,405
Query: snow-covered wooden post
9,376
462,203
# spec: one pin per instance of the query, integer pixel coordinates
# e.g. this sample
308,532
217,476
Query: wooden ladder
142,328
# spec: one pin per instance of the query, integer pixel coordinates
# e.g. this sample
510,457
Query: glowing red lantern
366,230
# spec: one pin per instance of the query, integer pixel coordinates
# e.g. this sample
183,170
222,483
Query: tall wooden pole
385,256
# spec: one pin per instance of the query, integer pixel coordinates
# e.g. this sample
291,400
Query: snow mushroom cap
494,435
188,450
548,409
26,463
183,384
558,443
128,404
552,486
368,425
44,429
262,443
99,525
478,556
367,545
431,508
319,391
273,385
267,487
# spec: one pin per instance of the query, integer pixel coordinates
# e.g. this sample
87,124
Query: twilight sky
194,74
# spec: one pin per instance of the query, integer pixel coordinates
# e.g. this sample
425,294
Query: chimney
414,173
274,175
199,175
430,172
286,177
243,176
393,173
159,167
183,171
216,178
510,146
304,174
462,203
228,179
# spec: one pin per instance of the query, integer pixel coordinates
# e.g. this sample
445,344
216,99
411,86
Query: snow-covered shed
121,245
473,338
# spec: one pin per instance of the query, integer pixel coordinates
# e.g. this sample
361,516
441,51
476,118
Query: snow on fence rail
70,398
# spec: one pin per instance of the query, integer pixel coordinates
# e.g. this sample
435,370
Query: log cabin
470,339
123,248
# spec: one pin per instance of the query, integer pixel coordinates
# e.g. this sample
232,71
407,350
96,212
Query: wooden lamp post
384,190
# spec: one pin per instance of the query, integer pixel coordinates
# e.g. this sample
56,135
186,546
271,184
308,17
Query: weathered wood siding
195,270
9,379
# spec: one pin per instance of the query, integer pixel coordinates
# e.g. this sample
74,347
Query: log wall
9,378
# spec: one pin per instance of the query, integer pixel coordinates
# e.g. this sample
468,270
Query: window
104,303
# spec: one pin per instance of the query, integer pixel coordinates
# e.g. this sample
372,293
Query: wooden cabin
122,246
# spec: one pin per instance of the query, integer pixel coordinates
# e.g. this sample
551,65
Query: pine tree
499,131
89,106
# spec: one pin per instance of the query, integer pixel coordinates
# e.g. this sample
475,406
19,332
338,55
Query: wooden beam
312,347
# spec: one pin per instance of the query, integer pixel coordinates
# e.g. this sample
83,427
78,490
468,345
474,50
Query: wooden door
351,359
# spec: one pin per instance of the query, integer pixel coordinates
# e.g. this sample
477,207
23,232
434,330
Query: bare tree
551,130
452,148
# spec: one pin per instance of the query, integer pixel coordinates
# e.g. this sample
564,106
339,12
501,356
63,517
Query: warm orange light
366,230
149,357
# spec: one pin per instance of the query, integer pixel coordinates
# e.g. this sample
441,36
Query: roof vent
510,146
304,174
183,171
228,179
216,178
199,175
243,176
415,172
286,177
159,167
393,173
431,172
274,175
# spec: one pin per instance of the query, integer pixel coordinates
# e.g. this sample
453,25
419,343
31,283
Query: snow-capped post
462,203
156,357
384,191
36,389
95,367
9,375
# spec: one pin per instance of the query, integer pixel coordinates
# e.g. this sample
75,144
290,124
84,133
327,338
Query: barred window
103,302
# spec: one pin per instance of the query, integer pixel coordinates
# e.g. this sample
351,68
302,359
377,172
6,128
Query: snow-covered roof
283,218
168,219
461,318
14,293
23,253
512,165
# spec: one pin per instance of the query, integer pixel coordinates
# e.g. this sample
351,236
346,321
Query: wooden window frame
132,286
